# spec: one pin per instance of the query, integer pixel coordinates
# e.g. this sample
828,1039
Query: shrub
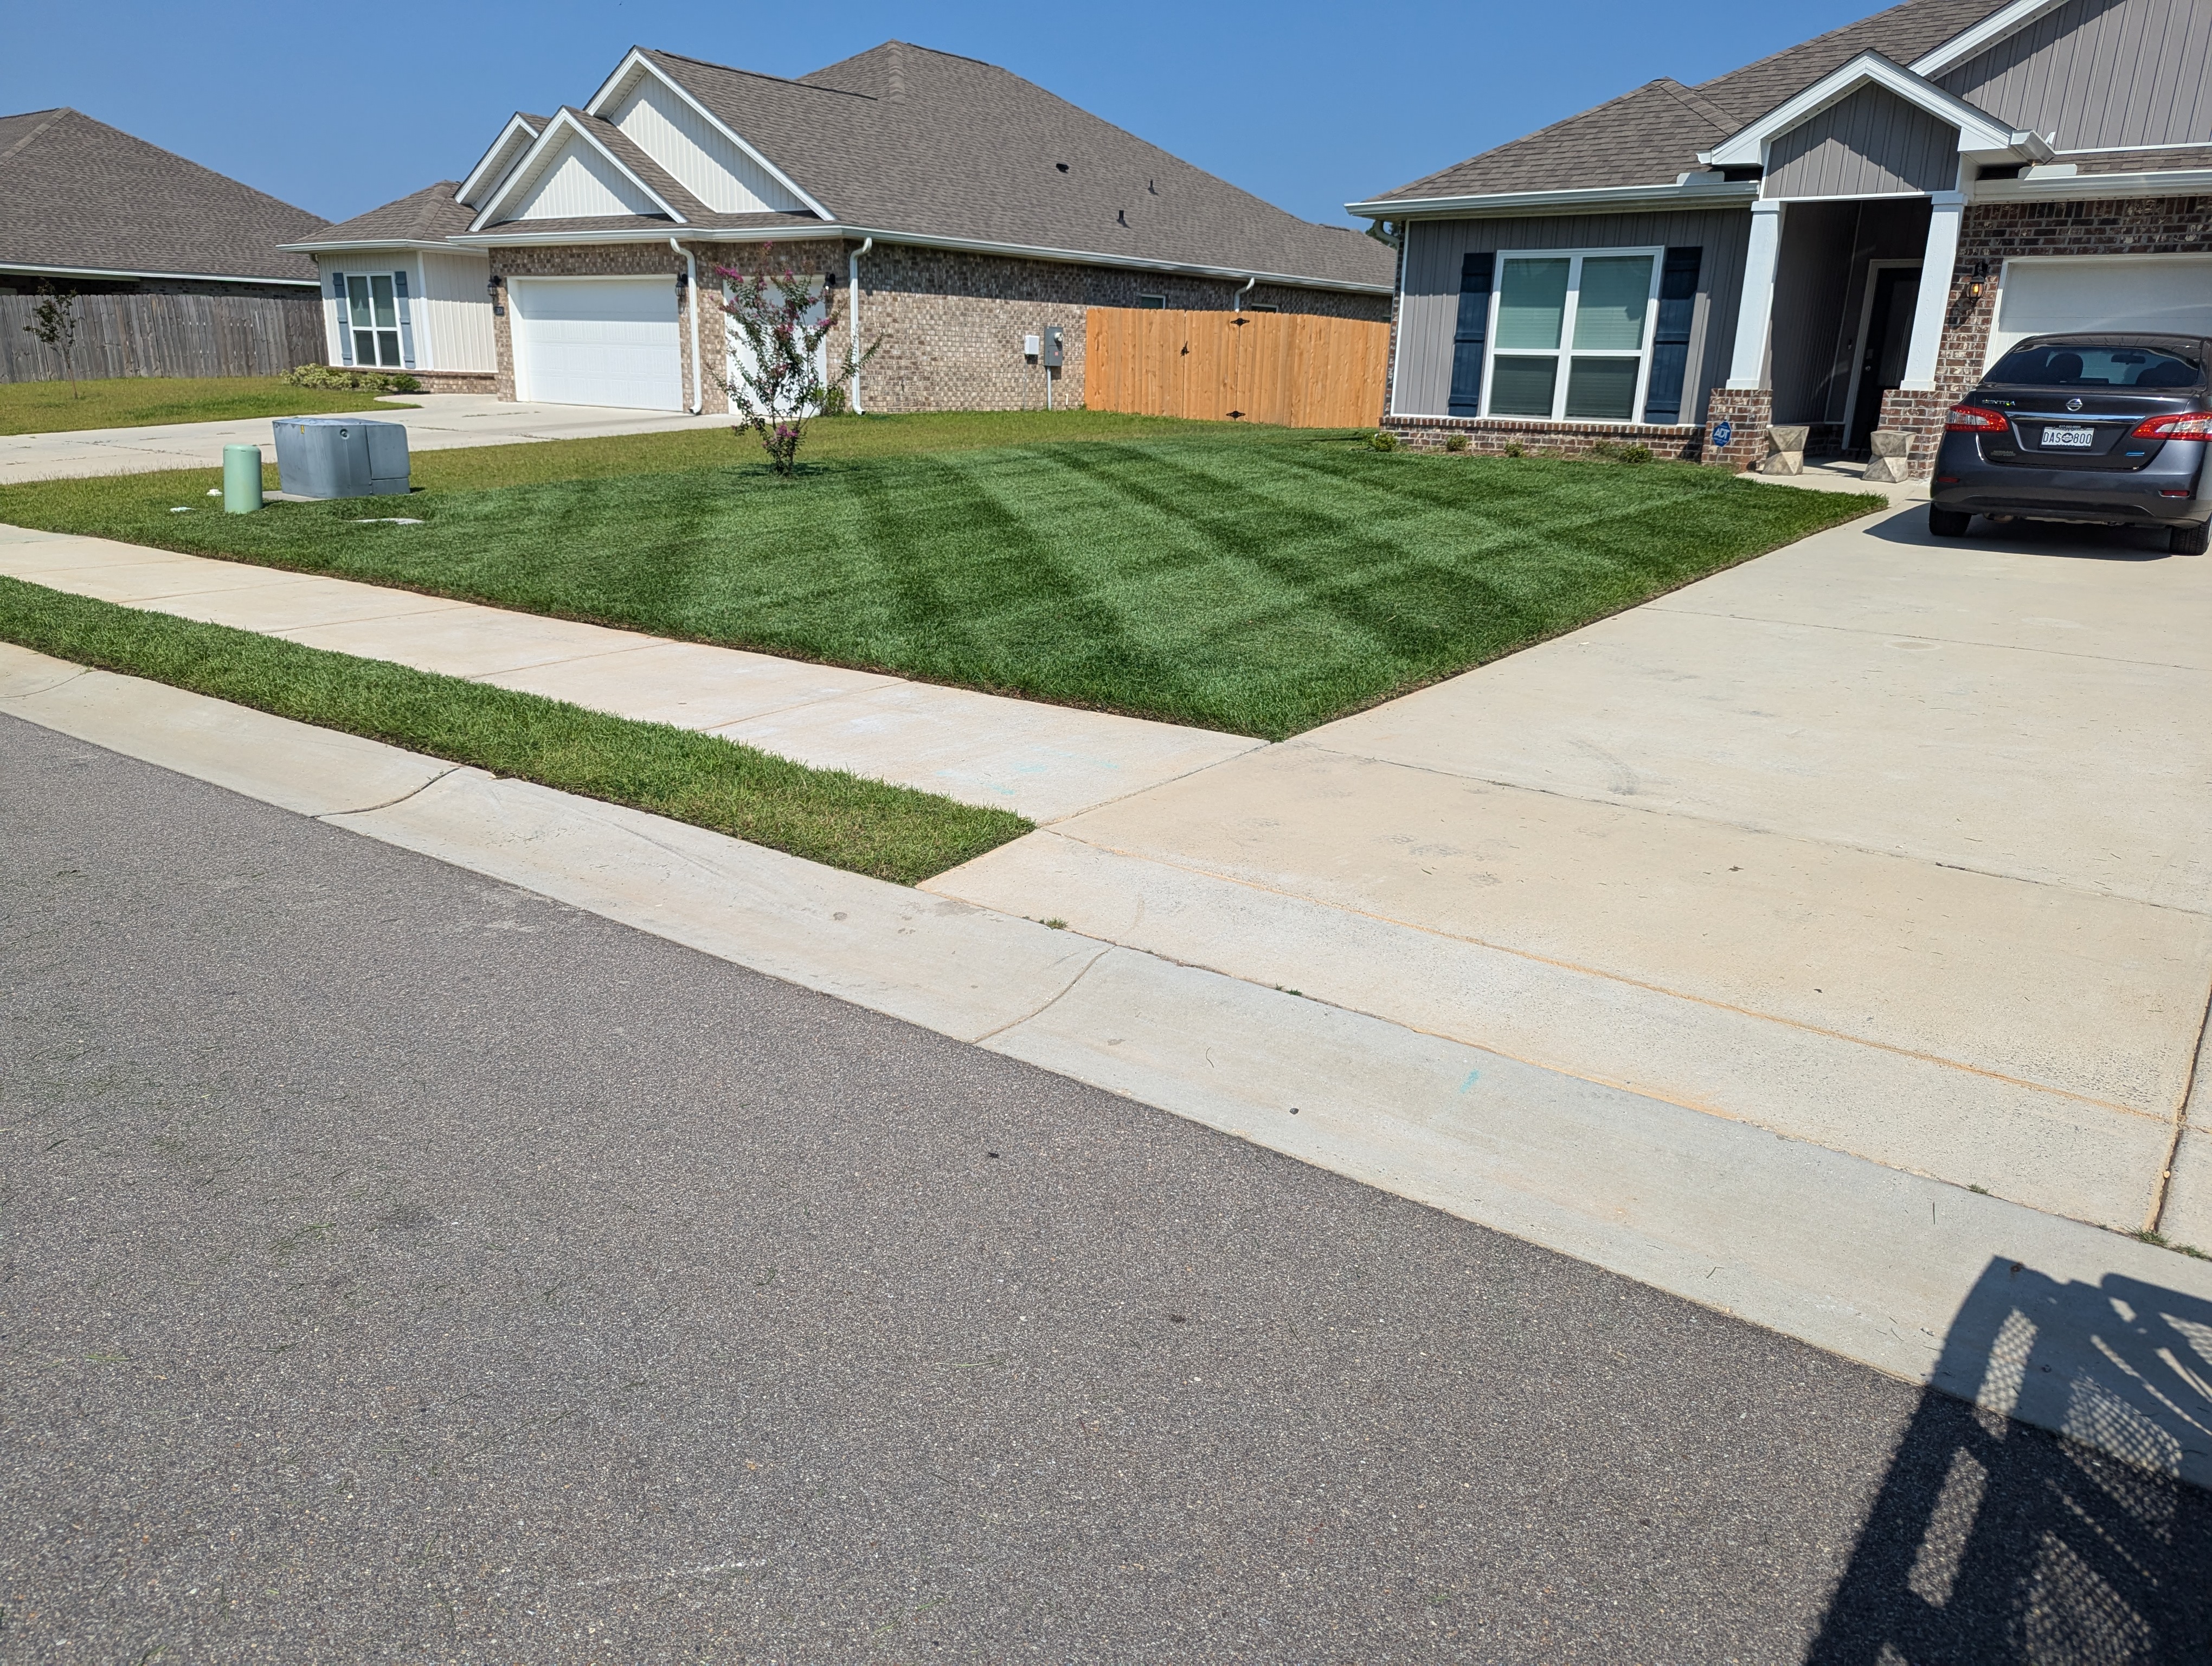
1383,440
1515,449
1456,442
337,378
1613,451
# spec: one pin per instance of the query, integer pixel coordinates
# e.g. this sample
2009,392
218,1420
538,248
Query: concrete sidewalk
2059,1324
443,422
1896,846
1043,762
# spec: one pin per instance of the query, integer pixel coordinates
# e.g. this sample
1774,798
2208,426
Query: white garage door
597,341
2151,292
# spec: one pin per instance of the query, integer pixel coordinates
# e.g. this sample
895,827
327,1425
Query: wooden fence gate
1294,368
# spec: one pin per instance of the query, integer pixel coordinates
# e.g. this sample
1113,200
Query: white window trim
1567,350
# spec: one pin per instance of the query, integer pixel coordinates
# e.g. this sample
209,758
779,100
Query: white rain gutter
1241,293
852,307
691,281
1694,190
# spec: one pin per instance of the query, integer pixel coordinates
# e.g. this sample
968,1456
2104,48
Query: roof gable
498,162
703,157
583,168
78,195
1975,128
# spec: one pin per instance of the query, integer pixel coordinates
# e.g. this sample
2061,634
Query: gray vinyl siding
2101,74
1871,144
1819,290
1429,306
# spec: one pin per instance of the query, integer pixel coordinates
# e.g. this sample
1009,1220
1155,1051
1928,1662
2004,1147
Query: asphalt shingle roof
1653,134
429,215
75,193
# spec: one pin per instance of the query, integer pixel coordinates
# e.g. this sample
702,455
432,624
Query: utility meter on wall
1050,357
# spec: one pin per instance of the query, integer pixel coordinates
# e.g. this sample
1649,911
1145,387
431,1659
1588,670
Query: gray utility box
340,456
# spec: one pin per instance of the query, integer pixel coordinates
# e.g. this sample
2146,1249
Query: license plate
2070,436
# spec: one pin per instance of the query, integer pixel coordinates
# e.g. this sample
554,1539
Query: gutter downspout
1246,290
691,286
852,307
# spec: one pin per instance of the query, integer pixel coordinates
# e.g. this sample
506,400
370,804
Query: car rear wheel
1948,523
2189,540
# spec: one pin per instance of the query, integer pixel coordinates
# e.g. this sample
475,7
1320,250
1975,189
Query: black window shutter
1670,340
1471,334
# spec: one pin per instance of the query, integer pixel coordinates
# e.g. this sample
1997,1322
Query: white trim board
1972,42
544,148
1978,130
469,185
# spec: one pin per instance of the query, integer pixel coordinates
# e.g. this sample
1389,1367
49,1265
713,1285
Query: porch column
1948,208
1755,313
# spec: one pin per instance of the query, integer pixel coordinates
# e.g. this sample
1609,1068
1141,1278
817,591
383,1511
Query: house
966,212
1843,235
178,269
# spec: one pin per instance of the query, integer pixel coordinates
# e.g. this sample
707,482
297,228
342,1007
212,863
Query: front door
1883,346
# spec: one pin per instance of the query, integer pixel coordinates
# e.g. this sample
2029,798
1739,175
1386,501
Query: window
2076,363
1571,334
1157,303
373,310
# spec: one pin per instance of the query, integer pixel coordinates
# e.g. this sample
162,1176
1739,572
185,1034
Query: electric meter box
1050,357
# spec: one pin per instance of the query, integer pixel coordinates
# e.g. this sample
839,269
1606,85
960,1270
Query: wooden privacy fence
1294,368
169,335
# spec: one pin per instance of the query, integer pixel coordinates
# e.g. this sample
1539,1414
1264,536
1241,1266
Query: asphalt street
400,1266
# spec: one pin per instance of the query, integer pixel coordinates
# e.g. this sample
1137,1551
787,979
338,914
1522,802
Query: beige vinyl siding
1430,307
700,160
453,318
578,182
1871,144
2101,74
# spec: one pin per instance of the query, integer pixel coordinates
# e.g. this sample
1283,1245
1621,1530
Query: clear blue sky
339,107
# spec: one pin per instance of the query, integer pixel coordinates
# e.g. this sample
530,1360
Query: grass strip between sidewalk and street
827,816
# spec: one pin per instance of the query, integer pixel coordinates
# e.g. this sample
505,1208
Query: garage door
2162,293
597,341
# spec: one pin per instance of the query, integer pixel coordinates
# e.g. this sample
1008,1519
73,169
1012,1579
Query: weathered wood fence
168,335
1294,368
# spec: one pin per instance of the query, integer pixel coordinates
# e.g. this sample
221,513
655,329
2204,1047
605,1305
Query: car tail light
1972,419
2183,425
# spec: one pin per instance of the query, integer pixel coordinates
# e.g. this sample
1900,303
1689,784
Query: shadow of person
1994,1540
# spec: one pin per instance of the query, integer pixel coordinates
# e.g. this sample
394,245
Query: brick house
955,212
178,270
1841,236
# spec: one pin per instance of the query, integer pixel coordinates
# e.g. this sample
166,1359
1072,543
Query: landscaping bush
1383,440
365,381
1515,449
1457,442
1613,451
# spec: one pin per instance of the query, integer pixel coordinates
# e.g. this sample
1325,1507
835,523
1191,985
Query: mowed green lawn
148,401
1258,581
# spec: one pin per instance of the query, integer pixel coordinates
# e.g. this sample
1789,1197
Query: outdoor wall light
1981,277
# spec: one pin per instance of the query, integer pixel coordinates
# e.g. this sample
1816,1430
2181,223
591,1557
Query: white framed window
1570,333
372,313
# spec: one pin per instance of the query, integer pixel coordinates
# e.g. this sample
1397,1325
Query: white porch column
1754,315
1948,207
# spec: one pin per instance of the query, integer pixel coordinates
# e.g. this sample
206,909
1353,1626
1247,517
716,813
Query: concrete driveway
440,422
1895,846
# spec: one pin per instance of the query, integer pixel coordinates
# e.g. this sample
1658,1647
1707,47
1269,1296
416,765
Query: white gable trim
638,63
477,181
1977,129
556,135
1985,34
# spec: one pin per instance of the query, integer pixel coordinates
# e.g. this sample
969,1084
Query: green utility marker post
241,479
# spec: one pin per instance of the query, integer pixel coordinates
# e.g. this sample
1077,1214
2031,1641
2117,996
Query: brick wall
949,324
1494,437
1748,411
1992,232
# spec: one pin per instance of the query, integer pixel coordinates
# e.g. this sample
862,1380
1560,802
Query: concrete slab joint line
1888,1268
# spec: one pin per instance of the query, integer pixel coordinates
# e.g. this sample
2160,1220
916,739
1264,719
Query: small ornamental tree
54,322
781,381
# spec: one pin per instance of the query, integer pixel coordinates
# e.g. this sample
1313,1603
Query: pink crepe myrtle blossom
781,377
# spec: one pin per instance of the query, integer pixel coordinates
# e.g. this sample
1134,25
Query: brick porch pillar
1748,411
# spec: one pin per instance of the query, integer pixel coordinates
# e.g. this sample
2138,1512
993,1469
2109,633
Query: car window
2078,364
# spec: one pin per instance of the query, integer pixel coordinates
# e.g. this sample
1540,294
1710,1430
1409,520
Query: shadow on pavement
1995,1540
2027,538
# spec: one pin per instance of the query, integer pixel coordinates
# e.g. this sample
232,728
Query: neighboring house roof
905,141
77,194
1653,134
